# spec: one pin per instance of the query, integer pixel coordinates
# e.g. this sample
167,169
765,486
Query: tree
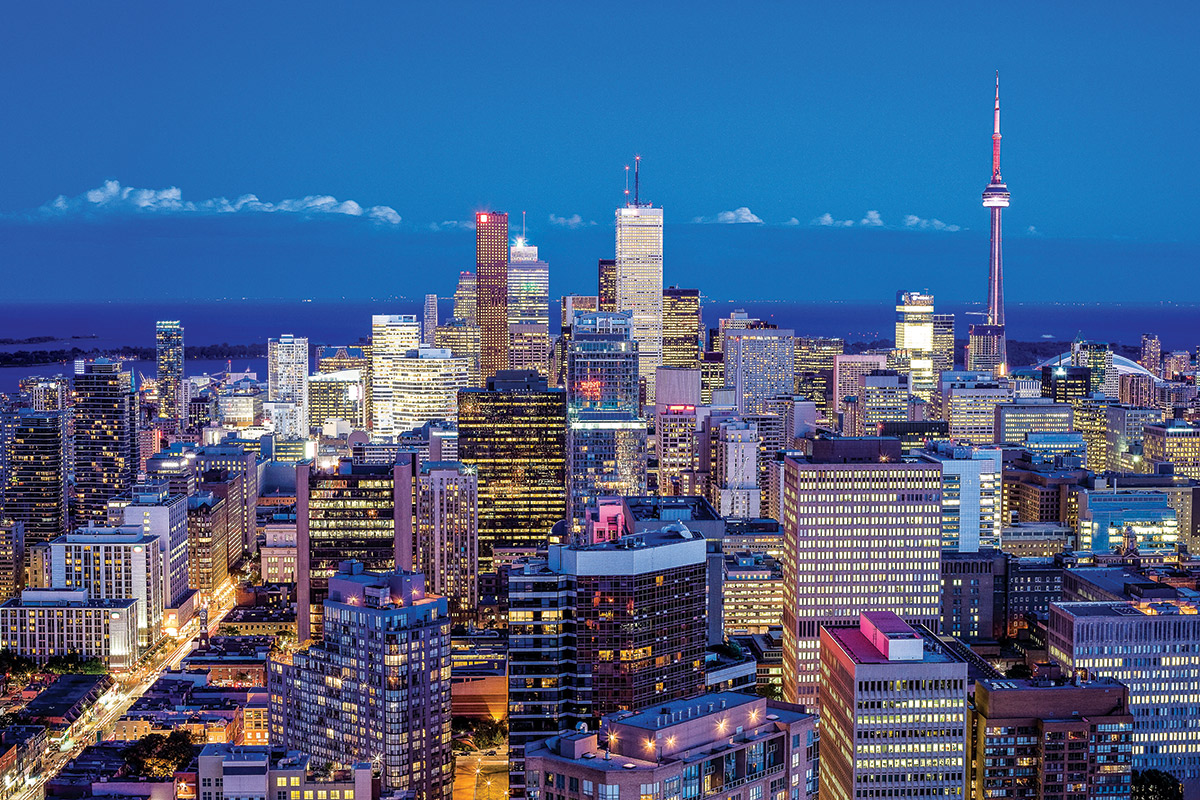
15,665
158,756
1019,671
74,664
227,630
769,691
1154,784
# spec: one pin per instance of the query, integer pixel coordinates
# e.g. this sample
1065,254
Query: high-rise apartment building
893,704
114,564
606,437
759,365
734,488
514,434
36,494
430,319
168,347
604,627
528,310
354,511
681,327
1151,356
46,622
106,448
943,344
447,535
884,555
491,290
1138,390
639,279
914,333
1097,358
337,395
287,380
158,511
675,419
1153,648
377,689
208,543
12,558
1072,739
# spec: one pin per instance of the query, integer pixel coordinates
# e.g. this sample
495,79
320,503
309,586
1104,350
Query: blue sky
415,115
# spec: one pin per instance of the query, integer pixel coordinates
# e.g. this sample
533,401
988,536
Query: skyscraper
514,434
106,447
377,687
639,276
462,340
914,333
528,310
36,495
1151,357
759,364
847,369
607,274
353,511
491,290
392,337
447,540
430,320
287,380
886,556
168,345
943,344
987,349
465,297
426,384
681,327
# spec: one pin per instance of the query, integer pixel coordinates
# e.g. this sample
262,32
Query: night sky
132,135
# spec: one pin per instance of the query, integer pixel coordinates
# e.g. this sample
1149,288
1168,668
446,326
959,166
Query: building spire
996,133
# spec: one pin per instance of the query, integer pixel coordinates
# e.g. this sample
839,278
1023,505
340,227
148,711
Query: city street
478,776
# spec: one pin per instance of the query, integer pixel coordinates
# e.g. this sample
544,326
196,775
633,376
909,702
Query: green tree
768,690
15,665
1154,784
227,630
74,664
158,756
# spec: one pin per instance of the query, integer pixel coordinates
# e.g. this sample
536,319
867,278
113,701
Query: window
609,791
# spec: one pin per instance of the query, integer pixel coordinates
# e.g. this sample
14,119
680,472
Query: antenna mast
522,226
626,184
637,162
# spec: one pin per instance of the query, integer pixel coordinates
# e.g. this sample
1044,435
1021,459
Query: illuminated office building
712,375
815,353
1151,647
1124,430
465,297
158,511
972,494
1134,389
967,401
462,340
914,333
607,285
675,418
1013,421
943,344
884,556
491,290
514,434
639,279
681,327
1071,737
1097,358
447,535
336,395
528,310
426,384
430,319
751,594
1151,355
287,380
759,365
47,622
1091,421
606,438
893,704
1108,518
882,396
338,358
847,369
393,336
1063,384
376,690
352,511
106,455
36,494
734,489
168,348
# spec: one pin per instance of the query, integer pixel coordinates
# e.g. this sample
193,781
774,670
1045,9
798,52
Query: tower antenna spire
637,162
626,184
522,226
996,131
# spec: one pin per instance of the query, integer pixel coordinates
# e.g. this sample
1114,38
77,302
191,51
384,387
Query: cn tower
987,349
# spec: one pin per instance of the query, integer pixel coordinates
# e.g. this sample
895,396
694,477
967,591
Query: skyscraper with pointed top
987,350
639,279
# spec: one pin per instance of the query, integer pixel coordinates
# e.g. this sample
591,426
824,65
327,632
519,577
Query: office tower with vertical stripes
491,290
639,279
528,310
681,328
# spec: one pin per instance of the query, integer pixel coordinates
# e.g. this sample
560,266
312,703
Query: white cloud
452,224
742,214
574,221
872,220
916,223
793,222
114,199
826,220
1032,231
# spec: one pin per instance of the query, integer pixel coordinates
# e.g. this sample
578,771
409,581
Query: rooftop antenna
637,162
626,184
522,226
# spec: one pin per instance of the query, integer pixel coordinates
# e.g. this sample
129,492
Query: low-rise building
232,660
228,771
46,622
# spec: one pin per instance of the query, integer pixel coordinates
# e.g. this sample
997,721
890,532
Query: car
490,753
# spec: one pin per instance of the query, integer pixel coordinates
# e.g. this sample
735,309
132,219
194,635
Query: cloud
452,224
872,220
826,220
916,223
1032,231
113,199
738,215
792,222
573,222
